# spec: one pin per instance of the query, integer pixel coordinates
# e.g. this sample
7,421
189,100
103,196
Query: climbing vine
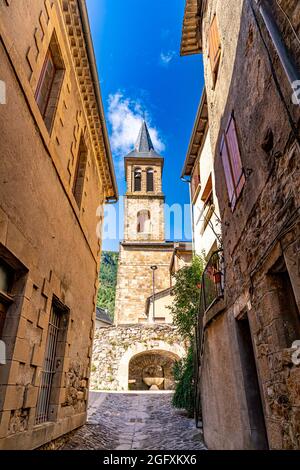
184,309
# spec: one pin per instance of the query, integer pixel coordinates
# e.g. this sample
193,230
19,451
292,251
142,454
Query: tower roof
144,142
144,146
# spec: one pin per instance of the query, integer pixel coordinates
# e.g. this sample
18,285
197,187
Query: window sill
6,298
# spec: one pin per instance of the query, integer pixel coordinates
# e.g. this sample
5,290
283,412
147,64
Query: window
54,354
150,180
214,48
251,384
80,172
50,82
195,181
143,221
208,204
232,164
6,280
137,179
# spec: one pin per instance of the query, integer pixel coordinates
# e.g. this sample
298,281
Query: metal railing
212,284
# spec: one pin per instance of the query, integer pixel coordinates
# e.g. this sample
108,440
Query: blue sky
141,72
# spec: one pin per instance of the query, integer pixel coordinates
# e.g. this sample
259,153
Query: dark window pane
137,180
80,173
150,180
6,275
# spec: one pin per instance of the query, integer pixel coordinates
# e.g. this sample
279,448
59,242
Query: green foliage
184,309
108,281
183,397
186,293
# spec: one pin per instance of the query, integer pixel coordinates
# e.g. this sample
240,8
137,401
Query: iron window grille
55,327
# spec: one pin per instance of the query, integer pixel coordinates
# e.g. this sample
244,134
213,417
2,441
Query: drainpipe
288,64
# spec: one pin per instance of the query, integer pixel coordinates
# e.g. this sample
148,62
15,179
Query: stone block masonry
115,347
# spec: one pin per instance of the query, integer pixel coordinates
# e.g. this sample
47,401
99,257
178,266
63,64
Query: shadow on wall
152,370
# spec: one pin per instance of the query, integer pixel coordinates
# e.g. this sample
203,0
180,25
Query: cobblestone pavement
125,421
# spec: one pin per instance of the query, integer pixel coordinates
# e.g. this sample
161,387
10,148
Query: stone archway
152,369
175,351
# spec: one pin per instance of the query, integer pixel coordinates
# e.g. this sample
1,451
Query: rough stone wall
135,204
266,210
47,238
134,282
115,346
143,200
155,164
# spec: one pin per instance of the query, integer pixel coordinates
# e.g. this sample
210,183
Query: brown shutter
195,180
228,174
232,163
235,157
214,45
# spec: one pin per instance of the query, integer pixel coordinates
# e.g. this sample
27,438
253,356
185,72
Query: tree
108,281
186,294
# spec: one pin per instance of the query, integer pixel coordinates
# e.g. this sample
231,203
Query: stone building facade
199,168
121,354
250,380
144,242
144,344
55,171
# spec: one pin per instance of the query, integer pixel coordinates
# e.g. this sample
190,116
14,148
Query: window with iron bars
54,355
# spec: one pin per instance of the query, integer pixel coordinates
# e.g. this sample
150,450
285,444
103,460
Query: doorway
251,384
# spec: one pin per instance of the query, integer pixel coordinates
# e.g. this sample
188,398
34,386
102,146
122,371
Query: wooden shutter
232,163
227,171
214,47
235,156
195,180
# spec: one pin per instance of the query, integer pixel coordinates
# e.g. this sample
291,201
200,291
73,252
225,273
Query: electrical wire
276,81
289,20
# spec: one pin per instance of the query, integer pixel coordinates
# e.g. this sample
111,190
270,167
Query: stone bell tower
144,244
143,343
144,199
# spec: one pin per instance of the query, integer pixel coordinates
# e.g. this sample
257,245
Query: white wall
205,242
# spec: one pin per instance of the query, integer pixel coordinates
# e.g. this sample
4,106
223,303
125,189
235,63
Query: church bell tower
144,199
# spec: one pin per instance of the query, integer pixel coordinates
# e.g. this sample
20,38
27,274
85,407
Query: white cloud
125,117
167,57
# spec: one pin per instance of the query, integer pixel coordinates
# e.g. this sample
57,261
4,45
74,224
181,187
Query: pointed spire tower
144,199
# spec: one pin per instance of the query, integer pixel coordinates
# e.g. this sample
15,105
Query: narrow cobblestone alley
124,421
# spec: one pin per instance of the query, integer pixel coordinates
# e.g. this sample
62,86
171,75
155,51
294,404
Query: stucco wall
205,241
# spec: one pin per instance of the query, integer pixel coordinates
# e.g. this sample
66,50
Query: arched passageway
152,370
